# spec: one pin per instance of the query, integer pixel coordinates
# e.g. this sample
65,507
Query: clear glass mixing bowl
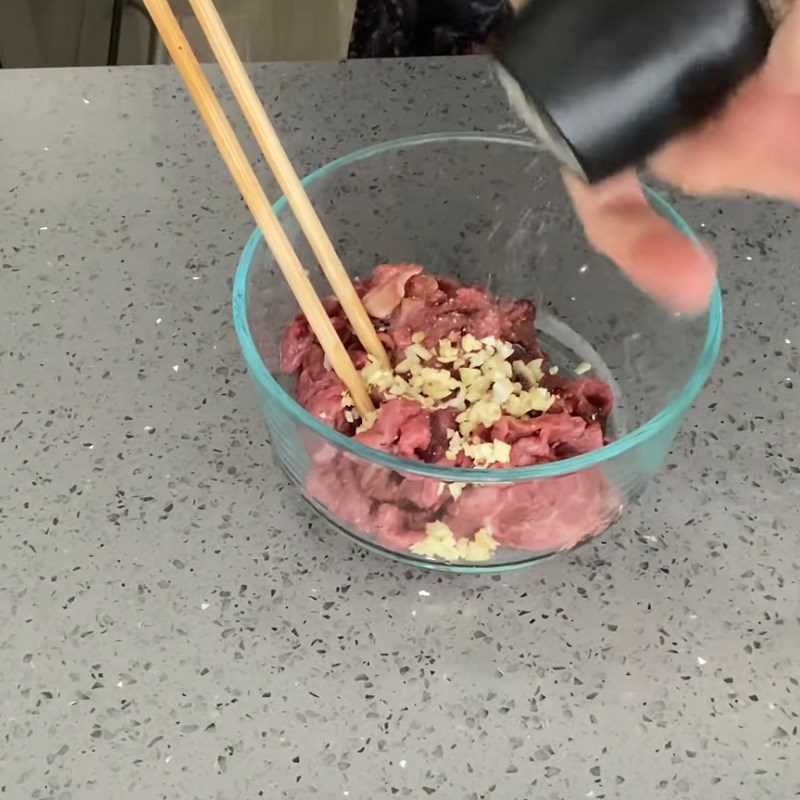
490,210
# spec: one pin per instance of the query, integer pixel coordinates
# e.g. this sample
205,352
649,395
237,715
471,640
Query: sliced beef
545,514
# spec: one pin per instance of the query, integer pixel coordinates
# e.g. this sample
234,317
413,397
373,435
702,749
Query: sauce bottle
604,83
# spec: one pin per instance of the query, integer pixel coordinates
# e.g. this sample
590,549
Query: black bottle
604,83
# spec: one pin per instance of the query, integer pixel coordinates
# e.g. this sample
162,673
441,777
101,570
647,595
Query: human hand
752,145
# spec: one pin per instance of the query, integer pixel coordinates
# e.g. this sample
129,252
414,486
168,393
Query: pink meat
441,421
461,310
518,324
549,437
336,485
298,339
388,288
378,500
319,389
545,514
588,398
402,428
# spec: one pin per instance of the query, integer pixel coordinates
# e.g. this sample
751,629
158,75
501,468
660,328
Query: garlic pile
477,377
439,542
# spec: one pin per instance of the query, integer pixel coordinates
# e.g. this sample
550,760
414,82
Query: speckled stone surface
177,625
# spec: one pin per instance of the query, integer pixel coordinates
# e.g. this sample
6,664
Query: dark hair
391,28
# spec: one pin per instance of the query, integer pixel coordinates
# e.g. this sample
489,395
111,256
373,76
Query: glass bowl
490,210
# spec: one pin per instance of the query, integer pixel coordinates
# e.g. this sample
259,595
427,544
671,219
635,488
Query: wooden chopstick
245,178
264,132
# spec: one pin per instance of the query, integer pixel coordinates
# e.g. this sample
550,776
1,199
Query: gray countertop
176,625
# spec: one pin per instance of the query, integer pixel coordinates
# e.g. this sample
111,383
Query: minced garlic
439,542
435,384
448,352
455,488
474,376
486,453
583,368
483,412
368,422
456,445
532,371
469,344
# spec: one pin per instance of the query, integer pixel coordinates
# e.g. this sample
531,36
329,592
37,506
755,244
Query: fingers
783,64
753,144
621,224
752,147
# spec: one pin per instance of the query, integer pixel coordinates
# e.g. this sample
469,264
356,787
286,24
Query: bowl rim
652,427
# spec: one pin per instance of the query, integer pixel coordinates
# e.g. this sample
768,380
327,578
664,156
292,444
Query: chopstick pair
242,172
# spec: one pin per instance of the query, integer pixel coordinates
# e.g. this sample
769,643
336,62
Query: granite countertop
176,623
